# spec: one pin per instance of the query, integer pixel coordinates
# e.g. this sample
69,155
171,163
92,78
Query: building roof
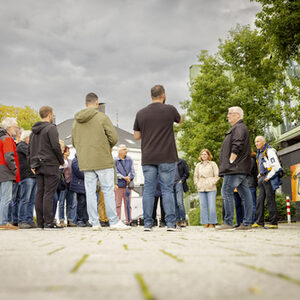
65,133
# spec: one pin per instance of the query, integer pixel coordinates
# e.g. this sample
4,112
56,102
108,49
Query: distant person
93,136
10,171
27,185
268,182
125,174
234,165
253,183
181,175
154,126
45,157
206,176
158,197
77,186
66,195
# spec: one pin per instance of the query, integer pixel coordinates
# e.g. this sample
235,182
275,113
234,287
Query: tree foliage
279,21
26,116
242,73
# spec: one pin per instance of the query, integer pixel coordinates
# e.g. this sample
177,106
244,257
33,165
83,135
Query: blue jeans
179,205
106,178
230,182
71,209
55,200
27,198
166,173
6,188
253,194
13,207
208,207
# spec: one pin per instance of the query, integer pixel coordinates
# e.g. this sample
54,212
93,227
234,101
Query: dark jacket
44,148
236,141
77,181
184,173
252,178
25,171
9,162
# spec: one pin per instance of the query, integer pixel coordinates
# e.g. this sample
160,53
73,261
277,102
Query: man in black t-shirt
154,126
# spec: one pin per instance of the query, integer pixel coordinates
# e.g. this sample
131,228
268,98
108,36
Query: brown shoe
224,227
8,226
71,224
243,227
206,225
62,224
212,225
182,224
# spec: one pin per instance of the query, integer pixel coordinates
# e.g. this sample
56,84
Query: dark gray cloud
55,52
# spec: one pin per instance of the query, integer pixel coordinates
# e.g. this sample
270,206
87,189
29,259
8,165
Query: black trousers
161,209
82,215
47,178
265,192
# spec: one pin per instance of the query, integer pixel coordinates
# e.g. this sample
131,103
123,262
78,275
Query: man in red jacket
9,168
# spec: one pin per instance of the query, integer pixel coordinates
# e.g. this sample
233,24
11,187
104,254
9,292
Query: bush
194,214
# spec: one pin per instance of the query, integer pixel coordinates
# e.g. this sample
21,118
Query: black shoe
81,224
52,226
132,224
88,224
162,224
104,223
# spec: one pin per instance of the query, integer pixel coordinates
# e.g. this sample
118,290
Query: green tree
279,21
242,73
26,116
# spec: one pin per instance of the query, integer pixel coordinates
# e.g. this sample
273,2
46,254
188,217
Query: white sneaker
119,226
96,228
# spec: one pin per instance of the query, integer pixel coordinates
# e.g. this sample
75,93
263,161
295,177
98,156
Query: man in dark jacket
235,164
45,156
180,186
27,185
9,168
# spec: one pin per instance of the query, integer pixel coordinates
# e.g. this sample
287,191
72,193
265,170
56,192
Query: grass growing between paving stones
56,250
125,246
99,242
171,255
83,238
243,253
146,293
264,271
44,245
143,239
79,263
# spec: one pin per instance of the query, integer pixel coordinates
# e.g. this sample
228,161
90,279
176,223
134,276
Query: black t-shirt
155,122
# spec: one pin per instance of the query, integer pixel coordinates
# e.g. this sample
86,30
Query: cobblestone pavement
195,263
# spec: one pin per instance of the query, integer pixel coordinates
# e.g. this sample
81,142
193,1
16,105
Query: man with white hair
235,165
125,174
27,185
9,168
268,181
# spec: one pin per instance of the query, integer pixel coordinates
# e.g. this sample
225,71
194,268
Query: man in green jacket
93,136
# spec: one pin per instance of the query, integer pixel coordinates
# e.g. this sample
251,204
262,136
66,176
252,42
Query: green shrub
281,208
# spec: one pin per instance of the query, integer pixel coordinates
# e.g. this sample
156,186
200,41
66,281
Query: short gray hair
121,147
25,134
238,110
8,122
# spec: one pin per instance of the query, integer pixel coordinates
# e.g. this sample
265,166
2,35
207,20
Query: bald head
260,142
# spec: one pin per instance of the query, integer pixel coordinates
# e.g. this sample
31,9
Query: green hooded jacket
93,136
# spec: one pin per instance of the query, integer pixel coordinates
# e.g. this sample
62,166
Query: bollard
288,209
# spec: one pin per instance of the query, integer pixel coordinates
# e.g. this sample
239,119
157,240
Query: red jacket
9,161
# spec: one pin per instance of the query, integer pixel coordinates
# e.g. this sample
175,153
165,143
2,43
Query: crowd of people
36,172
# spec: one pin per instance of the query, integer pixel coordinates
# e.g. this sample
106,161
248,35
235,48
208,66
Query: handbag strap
123,167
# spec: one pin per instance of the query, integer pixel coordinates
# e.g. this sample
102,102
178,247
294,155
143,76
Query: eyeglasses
230,113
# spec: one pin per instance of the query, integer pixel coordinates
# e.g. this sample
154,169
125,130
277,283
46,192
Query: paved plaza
195,263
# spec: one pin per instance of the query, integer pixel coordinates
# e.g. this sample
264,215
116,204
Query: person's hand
33,171
266,179
127,178
116,187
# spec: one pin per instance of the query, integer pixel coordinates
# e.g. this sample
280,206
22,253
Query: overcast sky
55,52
